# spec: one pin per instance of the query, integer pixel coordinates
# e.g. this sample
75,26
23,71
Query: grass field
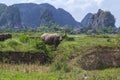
64,65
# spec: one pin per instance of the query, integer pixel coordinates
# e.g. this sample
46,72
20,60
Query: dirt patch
23,57
101,58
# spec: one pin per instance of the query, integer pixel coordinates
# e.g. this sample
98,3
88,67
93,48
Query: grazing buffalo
4,36
52,39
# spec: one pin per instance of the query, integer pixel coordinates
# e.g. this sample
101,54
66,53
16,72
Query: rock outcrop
30,15
35,15
99,19
87,19
9,17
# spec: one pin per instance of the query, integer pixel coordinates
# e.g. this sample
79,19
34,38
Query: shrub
24,38
60,66
67,38
2,45
70,39
38,45
117,41
12,44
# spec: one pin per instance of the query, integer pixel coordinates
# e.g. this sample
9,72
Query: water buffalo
51,39
4,36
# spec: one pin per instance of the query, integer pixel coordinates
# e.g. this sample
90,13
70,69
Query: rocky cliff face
9,17
87,19
35,15
99,19
26,15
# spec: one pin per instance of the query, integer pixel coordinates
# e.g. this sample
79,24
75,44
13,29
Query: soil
23,57
101,58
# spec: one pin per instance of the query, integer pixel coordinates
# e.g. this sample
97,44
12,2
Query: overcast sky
78,8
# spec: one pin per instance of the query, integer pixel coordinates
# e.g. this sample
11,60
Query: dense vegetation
64,65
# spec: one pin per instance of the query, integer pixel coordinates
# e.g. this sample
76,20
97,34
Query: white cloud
30,0
98,2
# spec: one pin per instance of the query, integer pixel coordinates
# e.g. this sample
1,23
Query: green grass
77,74
10,75
64,65
22,43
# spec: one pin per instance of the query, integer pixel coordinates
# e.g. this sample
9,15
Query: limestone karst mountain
99,19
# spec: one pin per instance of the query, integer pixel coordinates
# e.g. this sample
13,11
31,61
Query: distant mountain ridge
31,15
34,15
9,17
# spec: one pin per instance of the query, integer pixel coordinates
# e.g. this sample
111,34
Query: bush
2,45
117,41
69,38
39,45
24,38
13,43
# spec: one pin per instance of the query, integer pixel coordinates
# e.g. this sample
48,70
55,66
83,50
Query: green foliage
104,30
85,29
117,40
118,30
99,36
101,30
52,28
24,43
24,38
61,64
39,45
12,42
69,38
10,45
57,66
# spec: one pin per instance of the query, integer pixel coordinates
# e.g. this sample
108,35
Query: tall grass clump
63,55
11,45
39,45
24,38
60,64
117,41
